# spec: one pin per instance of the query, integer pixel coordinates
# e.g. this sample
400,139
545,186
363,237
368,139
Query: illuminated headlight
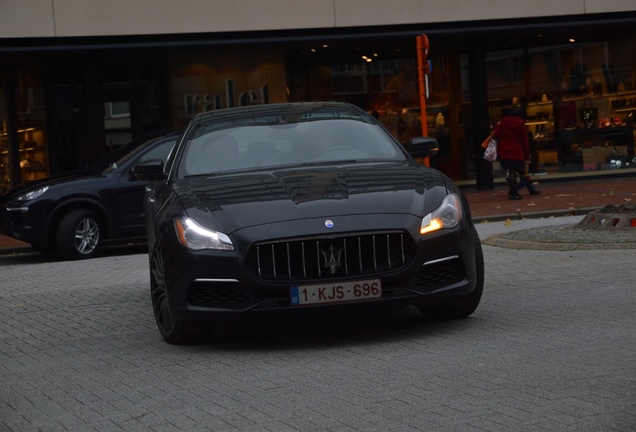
195,237
447,215
36,193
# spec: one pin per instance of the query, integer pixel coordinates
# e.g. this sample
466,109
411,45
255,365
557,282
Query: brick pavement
551,348
557,198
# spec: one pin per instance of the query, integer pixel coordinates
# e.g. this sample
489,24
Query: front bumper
20,222
209,285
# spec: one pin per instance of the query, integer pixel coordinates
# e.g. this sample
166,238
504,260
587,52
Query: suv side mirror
423,147
150,170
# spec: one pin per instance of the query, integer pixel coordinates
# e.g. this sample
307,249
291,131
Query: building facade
81,77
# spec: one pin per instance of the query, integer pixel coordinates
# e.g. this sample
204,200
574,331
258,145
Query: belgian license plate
335,292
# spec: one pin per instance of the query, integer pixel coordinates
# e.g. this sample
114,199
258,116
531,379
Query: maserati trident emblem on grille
332,259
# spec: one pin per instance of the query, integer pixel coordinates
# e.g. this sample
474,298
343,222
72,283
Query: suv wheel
79,235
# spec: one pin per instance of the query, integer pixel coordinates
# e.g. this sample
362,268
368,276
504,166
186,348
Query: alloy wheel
87,236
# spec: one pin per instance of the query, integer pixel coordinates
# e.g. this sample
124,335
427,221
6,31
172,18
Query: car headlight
36,193
195,237
447,215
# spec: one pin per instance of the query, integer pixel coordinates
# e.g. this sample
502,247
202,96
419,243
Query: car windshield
267,142
123,154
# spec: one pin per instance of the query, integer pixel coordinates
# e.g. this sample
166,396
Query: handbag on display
588,113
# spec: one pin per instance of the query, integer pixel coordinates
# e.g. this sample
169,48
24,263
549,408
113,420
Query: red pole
423,70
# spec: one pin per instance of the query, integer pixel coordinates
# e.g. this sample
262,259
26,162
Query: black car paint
115,194
183,266
300,193
293,202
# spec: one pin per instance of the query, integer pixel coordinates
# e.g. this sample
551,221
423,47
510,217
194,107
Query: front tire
172,330
79,234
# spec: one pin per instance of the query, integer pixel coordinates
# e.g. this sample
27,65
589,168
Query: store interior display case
540,124
568,142
595,148
607,140
32,153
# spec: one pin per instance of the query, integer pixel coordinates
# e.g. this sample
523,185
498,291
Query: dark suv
74,213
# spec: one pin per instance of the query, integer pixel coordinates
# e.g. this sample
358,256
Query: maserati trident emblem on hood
329,223
332,258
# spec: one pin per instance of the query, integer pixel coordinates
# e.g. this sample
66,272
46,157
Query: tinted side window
160,152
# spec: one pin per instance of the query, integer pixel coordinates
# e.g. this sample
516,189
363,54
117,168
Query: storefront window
202,83
31,111
23,144
444,115
382,78
579,101
5,171
386,86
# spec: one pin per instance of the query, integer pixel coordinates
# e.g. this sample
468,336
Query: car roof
293,110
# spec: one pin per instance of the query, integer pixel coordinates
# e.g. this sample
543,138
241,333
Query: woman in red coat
513,151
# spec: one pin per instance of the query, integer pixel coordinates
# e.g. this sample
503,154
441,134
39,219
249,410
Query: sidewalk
557,198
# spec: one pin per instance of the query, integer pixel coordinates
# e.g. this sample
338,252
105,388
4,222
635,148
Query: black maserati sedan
74,213
303,206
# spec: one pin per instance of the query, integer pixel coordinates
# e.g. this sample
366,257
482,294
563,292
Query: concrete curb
534,215
499,240
12,250
568,237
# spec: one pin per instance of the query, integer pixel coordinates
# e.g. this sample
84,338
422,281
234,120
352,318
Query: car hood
50,181
231,202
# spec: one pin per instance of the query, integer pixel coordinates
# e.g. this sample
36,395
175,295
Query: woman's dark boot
513,188
528,183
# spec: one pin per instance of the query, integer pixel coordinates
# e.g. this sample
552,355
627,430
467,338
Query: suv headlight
36,193
195,237
447,215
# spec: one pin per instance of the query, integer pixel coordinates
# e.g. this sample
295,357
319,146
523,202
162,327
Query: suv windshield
126,152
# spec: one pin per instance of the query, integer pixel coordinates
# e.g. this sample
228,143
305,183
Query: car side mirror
150,170
423,147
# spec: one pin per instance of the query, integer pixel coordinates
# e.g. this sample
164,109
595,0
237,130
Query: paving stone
551,347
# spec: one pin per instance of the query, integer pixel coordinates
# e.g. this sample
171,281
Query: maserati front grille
331,257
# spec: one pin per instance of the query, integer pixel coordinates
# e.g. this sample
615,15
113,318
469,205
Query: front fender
106,216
